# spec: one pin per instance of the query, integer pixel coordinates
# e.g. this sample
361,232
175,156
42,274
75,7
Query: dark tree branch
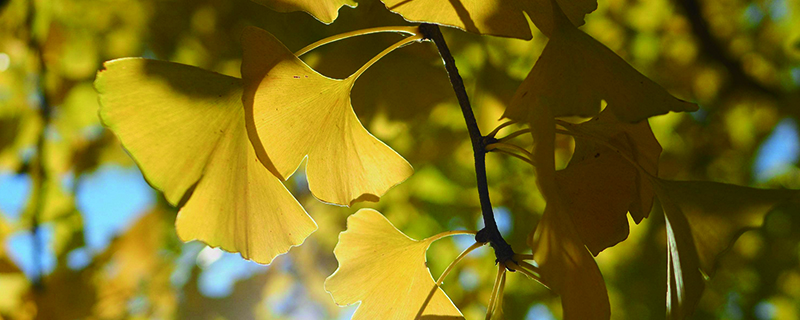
489,233
38,170
714,50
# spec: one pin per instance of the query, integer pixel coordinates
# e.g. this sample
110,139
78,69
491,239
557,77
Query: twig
489,233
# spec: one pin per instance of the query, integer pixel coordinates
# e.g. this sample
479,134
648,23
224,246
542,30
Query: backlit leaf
293,112
703,220
601,185
324,10
184,127
575,72
567,267
386,271
495,17
565,264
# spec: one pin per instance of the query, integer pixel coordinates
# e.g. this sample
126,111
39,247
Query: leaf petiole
497,290
509,147
510,153
501,126
570,132
397,45
514,135
355,33
528,270
456,261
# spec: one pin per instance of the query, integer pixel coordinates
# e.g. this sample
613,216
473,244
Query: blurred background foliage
84,236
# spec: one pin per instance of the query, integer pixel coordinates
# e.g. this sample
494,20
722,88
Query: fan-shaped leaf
565,264
184,127
494,17
703,220
601,185
567,267
293,111
385,270
575,72
323,10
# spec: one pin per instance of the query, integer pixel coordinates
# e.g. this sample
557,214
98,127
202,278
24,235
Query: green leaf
325,11
565,264
703,221
184,127
601,185
567,267
386,271
575,72
492,17
293,112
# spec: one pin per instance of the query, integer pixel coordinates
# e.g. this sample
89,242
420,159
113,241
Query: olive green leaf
323,10
703,220
575,72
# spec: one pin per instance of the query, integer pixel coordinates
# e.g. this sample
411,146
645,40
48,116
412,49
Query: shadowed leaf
601,185
293,112
703,220
575,72
495,17
323,10
567,267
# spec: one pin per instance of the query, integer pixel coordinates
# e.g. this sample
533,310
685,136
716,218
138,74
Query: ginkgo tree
220,149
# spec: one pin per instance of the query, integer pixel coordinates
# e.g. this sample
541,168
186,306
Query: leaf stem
509,147
514,135
568,131
355,33
499,282
456,261
511,153
523,266
501,126
383,53
489,233
449,233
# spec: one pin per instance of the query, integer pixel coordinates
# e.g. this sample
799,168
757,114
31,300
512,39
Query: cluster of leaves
218,147
231,196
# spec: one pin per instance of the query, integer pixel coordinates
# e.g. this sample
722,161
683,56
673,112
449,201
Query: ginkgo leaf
703,220
293,112
386,271
184,127
323,10
567,267
495,17
601,185
599,189
565,264
575,72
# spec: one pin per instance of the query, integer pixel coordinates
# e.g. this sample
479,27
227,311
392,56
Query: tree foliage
249,118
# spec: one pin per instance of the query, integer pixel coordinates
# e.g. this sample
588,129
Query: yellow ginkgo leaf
293,112
493,17
703,221
323,10
184,127
567,267
386,271
575,72
598,189
600,182
564,263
